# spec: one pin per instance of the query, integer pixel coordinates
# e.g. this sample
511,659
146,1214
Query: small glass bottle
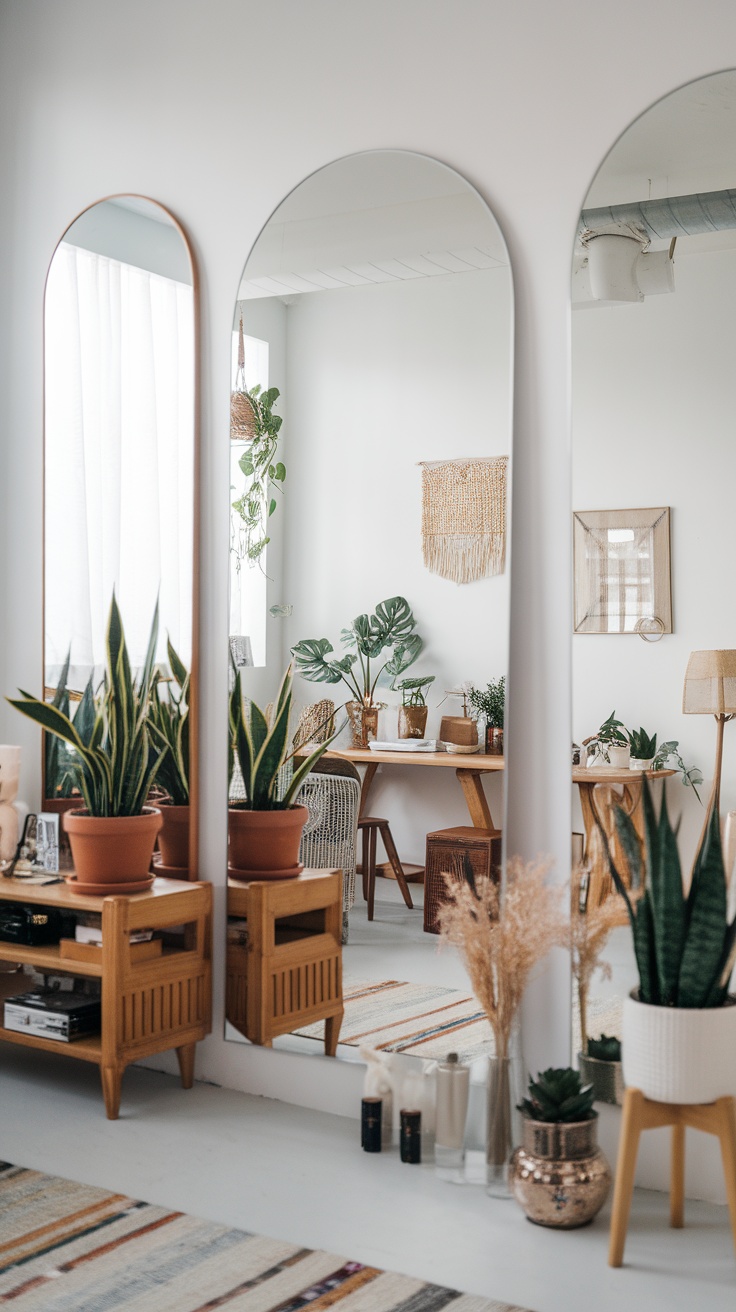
371,1110
411,1137
453,1089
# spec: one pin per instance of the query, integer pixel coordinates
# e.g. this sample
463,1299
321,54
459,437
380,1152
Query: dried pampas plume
590,927
501,940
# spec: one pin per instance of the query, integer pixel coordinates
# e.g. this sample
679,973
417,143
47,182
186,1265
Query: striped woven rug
67,1247
422,1019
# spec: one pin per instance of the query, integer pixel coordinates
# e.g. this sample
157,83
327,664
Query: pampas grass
589,930
502,939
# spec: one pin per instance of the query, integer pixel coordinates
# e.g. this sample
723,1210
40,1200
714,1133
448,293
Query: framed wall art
622,571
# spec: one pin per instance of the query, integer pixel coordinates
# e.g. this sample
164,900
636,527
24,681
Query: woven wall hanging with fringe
464,517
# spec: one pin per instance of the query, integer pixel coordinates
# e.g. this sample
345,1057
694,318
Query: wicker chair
332,797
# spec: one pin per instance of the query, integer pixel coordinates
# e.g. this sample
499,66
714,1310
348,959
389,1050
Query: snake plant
684,944
114,767
168,719
262,749
558,1095
391,626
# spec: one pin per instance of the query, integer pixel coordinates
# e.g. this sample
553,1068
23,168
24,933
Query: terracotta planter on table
265,844
173,840
112,849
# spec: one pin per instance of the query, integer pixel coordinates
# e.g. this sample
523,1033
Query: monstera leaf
405,654
392,621
310,660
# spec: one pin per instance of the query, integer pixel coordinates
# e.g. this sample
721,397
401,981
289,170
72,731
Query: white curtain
118,458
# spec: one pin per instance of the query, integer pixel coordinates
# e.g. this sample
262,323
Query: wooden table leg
112,1077
471,782
632,1123
725,1110
365,787
677,1177
185,1057
332,1034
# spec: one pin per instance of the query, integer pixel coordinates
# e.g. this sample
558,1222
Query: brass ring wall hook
649,634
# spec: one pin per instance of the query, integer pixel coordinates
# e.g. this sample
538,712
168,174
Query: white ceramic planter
619,757
674,1054
636,764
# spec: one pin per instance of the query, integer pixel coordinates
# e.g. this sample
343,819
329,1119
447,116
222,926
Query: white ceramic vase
619,757
635,763
677,1054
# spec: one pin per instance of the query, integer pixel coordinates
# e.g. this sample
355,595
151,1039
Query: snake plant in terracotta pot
391,628
168,717
113,834
679,1026
265,828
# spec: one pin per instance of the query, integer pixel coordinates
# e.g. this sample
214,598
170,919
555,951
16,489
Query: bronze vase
413,721
494,741
559,1175
363,723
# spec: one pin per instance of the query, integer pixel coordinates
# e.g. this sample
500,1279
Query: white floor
300,1175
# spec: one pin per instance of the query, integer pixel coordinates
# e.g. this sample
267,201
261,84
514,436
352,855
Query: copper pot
494,741
363,723
413,721
559,1175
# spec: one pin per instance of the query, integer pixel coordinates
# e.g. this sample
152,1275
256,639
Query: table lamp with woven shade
710,689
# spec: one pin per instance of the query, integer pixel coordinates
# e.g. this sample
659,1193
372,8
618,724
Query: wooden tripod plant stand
639,1113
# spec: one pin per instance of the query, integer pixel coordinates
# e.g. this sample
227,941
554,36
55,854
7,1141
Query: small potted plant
609,742
600,1067
113,834
643,749
488,704
390,628
265,829
559,1175
679,1026
590,927
413,710
168,718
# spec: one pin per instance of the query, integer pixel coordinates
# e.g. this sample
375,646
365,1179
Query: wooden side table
290,971
641,1113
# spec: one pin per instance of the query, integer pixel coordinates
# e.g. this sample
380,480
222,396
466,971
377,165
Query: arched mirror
654,464
119,486
369,545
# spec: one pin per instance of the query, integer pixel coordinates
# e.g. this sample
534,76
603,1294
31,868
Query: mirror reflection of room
654,464
370,444
119,485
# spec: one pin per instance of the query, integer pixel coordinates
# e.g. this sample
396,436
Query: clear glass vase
502,1126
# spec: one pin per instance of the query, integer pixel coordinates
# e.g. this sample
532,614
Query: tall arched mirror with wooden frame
121,488
370,540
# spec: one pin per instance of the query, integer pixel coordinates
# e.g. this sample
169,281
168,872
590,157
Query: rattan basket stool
641,1113
447,852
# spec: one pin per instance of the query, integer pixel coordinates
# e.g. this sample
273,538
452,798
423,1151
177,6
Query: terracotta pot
112,849
173,840
265,844
363,723
494,741
413,721
679,1054
559,1175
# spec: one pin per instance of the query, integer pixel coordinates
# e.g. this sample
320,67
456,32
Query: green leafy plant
168,719
391,627
414,691
643,748
606,1048
684,944
263,475
114,767
488,703
262,750
558,1094
59,758
691,776
611,734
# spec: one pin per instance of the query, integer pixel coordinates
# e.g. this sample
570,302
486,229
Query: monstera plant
381,645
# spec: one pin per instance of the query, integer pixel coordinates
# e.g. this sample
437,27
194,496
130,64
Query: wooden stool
370,827
639,1114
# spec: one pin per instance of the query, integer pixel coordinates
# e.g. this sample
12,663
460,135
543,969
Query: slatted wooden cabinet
289,973
148,1006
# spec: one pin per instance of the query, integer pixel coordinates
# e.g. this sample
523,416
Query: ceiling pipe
672,216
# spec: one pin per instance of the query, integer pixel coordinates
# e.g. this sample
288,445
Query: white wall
654,398
379,378
218,111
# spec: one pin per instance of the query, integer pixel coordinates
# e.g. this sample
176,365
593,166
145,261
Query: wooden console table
290,971
147,1006
469,771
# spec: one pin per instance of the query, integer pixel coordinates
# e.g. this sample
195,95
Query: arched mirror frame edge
193,697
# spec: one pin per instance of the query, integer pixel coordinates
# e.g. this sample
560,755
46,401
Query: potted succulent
559,1175
643,749
390,628
263,474
168,718
679,1026
599,1060
113,834
413,710
488,704
265,829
